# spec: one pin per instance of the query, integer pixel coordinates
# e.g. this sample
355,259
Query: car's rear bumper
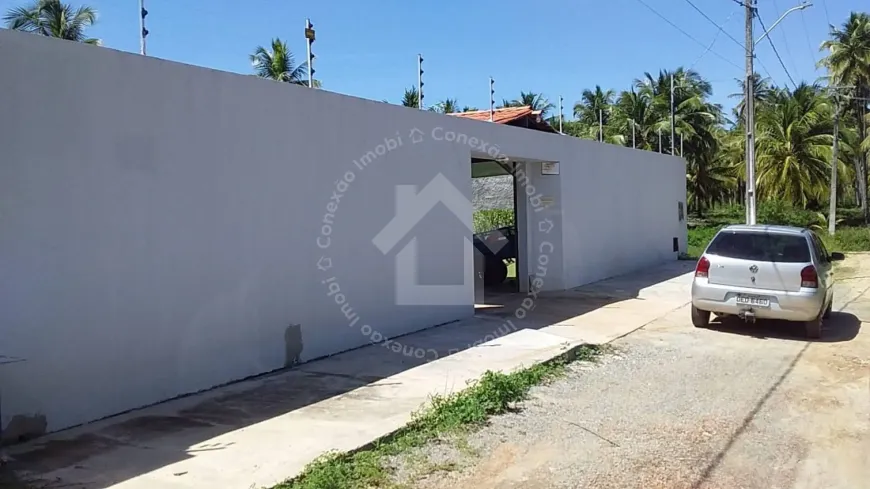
803,305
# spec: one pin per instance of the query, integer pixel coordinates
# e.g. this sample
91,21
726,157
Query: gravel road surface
675,407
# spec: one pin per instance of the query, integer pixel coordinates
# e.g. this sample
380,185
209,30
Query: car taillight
809,277
702,269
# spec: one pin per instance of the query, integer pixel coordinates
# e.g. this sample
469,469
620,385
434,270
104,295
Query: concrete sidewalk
260,432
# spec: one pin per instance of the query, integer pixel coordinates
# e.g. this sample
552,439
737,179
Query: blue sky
556,47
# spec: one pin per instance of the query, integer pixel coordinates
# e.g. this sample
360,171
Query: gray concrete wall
493,193
166,228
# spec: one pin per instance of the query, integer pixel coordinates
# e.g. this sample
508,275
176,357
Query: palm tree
794,136
594,105
446,106
466,108
52,18
709,175
848,65
411,98
278,64
762,89
633,116
536,101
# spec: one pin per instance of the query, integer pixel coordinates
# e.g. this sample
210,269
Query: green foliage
851,235
493,394
848,239
699,238
487,220
277,63
53,18
784,214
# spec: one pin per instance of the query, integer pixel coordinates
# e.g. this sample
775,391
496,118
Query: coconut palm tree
633,116
536,101
446,106
848,65
278,64
709,175
591,101
53,18
762,89
794,136
594,105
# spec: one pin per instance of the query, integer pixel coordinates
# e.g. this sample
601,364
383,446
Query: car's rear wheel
701,319
813,327
829,309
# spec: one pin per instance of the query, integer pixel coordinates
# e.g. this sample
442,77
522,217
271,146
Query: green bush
786,215
774,212
848,239
487,220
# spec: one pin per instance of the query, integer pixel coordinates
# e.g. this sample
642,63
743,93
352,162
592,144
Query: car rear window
761,247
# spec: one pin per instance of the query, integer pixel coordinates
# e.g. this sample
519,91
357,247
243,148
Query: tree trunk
861,159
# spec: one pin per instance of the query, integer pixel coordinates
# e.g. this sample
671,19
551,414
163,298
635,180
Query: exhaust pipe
748,316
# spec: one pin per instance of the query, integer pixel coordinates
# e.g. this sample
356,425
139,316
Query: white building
168,228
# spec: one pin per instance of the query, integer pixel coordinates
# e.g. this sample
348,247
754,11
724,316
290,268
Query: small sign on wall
550,168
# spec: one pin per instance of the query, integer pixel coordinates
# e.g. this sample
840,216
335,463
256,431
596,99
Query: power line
721,29
675,26
827,17
809,44
785,41
715,38
772,45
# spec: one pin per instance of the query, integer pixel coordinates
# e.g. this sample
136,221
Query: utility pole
673,116
143,32
749,114
420,81
600,126
749,104
309,37
560,115
681,146
660,140
491,99
633,145
832,210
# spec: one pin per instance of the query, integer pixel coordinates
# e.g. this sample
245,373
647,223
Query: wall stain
22,428
292,345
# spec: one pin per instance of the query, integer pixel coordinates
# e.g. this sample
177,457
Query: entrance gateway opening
501,234
499,237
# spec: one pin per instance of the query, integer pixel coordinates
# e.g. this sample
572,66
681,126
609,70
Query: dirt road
675,407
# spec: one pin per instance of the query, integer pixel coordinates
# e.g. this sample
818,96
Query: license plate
751,300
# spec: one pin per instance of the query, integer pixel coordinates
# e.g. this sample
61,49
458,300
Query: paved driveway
676,407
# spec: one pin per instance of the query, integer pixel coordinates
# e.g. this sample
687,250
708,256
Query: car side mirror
836,256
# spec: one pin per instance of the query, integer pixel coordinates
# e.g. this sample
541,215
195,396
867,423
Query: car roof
765,228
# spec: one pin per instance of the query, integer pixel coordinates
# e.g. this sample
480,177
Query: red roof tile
499,116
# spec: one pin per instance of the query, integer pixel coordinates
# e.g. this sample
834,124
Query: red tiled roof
499,116
509,115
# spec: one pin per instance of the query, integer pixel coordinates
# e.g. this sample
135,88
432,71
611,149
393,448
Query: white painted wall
159,223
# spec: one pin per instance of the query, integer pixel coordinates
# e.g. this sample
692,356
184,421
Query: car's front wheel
701,319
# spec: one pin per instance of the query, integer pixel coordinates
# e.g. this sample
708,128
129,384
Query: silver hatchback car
768,272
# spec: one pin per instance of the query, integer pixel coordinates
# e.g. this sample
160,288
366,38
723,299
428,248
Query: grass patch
493,394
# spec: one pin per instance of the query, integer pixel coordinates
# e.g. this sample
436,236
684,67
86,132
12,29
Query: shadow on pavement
119,448
839,327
